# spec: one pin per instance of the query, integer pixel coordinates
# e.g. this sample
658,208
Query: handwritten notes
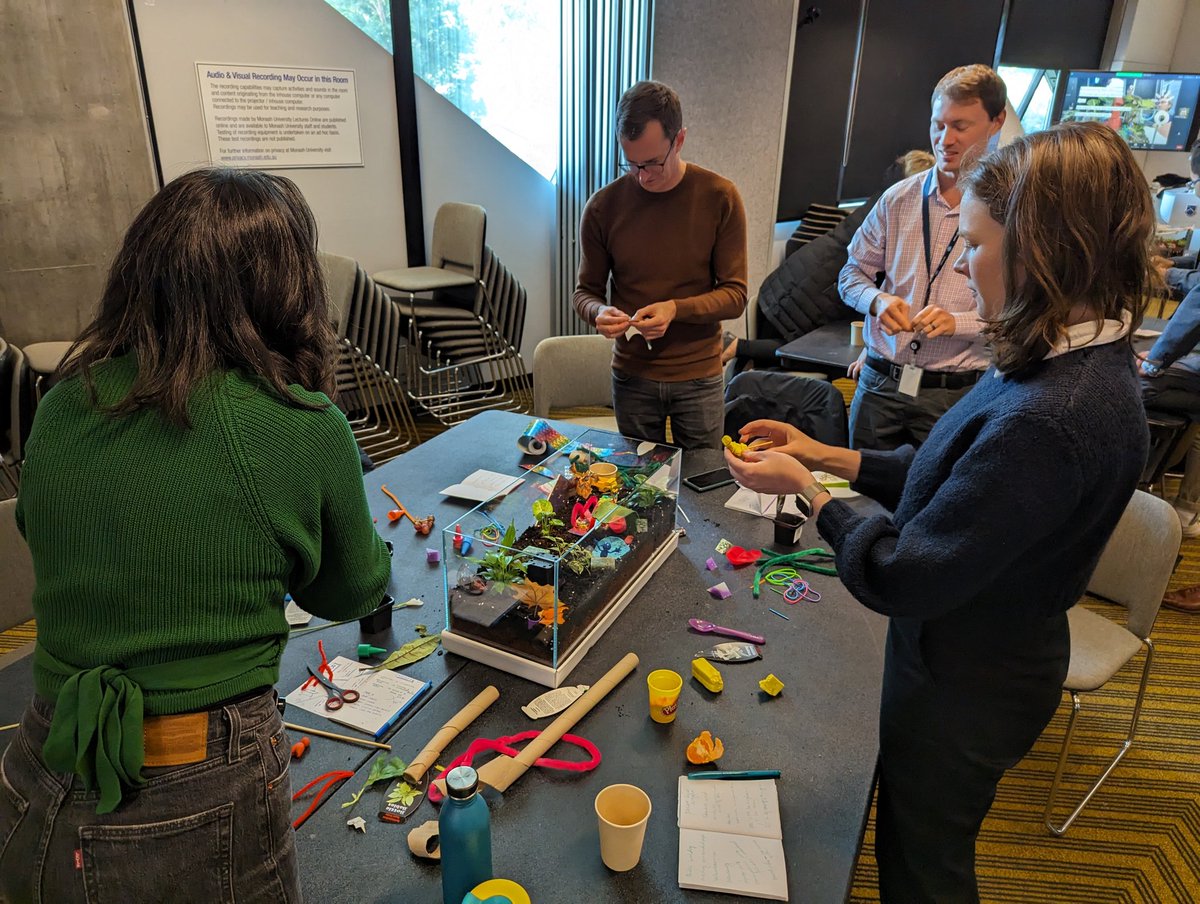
731,838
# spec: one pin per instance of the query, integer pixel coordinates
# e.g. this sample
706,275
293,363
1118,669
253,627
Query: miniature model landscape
531,572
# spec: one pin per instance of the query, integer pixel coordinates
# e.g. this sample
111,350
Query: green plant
543,513
500,567
577,558
645,495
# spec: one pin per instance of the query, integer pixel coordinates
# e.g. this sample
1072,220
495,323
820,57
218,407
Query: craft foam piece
641,525
357,823
710,563
722,546
432,556
771,685
721,591
466,546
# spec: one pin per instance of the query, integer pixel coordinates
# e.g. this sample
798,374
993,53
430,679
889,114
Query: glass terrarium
535,577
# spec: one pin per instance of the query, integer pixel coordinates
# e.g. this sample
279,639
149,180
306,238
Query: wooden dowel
10,727
362,742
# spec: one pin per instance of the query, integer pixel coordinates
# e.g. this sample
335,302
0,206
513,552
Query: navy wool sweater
1007,507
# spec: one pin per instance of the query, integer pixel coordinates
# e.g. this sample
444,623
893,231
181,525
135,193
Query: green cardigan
154,545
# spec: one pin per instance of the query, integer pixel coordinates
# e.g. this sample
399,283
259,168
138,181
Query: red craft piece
395,515
739,556
503,745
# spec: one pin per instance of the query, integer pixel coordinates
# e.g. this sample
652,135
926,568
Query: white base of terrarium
544,674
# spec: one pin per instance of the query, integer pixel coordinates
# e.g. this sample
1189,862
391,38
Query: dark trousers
882,418
218,830
696,409
964,699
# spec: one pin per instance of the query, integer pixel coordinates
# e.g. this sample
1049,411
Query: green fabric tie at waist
96,731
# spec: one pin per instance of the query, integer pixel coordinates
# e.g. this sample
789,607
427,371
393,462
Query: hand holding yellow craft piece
705,749
740,449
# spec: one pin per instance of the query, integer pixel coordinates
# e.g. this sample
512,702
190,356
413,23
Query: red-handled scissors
335,696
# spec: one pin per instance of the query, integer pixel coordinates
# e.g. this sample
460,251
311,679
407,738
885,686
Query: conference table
820,732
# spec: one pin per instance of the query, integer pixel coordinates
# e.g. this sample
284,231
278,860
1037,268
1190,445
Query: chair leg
1061,828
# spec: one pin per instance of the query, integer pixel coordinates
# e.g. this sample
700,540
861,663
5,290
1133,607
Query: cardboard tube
502,771
448,732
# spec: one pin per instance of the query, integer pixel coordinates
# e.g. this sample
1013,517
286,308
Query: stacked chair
370,331
464,333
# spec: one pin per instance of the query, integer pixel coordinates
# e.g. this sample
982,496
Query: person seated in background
186,472
1001,516
1180,273
802,292
1170,377
922,333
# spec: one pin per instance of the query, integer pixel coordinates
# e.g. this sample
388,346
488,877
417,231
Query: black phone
709,480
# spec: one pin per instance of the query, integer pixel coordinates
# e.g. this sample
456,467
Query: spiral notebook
731,838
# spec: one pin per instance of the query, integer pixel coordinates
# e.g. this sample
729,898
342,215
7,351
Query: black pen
752,773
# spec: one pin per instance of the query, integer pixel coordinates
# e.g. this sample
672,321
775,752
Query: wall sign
278,117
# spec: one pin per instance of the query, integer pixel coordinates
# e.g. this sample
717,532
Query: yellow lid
497,891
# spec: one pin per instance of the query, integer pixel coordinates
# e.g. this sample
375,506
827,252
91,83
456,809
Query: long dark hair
218,271
1078,220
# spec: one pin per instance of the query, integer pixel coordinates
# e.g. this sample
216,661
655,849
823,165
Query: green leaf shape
413,651
382,767
403,794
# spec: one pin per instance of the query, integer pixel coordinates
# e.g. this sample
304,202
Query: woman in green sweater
187,471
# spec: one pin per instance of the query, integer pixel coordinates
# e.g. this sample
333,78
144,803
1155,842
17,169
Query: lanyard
933,272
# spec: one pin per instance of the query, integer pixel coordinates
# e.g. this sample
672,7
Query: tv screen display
1153,111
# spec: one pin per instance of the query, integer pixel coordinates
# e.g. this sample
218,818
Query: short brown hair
974,82
1078,220
648,101
219,271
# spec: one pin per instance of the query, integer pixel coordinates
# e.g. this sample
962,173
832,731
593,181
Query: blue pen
401,711
752,773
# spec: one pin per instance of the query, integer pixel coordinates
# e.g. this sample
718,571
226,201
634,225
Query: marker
752,773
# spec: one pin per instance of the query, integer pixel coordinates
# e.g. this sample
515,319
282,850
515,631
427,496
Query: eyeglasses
651,169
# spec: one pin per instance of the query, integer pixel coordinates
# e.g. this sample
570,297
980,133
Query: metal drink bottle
465,836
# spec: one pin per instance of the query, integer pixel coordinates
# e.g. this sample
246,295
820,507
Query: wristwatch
806,497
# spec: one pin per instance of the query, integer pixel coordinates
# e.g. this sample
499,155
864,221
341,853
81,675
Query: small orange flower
705,749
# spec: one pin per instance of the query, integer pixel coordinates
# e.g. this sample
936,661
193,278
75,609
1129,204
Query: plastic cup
665,686
856,330
623,811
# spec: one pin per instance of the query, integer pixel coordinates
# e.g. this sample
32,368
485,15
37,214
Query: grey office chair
16,602
1133,572
463,340
574,372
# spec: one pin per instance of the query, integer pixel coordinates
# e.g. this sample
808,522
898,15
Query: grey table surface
821,732
827,349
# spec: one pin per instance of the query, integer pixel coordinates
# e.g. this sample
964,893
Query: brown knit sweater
686,245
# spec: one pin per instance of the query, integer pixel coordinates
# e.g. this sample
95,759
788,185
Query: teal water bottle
465,836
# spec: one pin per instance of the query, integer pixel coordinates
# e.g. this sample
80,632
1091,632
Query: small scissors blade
335,696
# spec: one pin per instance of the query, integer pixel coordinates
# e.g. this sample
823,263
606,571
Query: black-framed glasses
652,169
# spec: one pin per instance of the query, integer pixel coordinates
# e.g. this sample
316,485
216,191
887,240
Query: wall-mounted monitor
1152,111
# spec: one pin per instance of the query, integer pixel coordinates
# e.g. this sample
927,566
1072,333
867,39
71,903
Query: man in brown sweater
663,262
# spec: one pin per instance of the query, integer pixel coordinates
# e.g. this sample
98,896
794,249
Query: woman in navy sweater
1001,516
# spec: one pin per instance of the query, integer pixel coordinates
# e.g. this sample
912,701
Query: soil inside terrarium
500,619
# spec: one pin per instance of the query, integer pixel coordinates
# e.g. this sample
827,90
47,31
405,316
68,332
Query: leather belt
941,379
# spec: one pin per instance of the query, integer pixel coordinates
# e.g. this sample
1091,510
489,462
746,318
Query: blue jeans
214,831
696,409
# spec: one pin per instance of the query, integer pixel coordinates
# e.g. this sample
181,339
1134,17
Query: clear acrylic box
534,578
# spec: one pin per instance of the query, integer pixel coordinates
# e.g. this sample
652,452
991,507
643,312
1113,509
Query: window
1031,92
496,60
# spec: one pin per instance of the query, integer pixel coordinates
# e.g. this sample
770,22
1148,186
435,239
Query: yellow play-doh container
664,686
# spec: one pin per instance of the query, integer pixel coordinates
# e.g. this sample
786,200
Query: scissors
336,697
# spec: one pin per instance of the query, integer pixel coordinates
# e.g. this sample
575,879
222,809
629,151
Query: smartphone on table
709,480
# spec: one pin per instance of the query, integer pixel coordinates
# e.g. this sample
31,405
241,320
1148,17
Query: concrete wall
462,162
730,64
76,161
359,210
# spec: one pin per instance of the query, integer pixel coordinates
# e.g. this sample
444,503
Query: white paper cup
856,336
623,811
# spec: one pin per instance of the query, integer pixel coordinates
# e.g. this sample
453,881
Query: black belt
956,379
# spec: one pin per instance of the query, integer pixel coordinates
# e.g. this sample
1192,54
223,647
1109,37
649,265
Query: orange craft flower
705,749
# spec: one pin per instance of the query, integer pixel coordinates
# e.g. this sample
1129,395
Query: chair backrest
459,231
16,564
1136,565
6,378
340,276
570,371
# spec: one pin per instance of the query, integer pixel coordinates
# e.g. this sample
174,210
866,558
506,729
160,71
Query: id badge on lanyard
910,377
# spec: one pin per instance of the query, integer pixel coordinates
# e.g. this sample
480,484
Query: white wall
462,162
731,64
359,210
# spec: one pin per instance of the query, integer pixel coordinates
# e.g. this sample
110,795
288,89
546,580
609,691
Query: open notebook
731,839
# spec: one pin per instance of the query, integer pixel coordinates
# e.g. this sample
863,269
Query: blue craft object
610,548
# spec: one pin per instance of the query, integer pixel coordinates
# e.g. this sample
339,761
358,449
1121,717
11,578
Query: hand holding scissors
336,697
